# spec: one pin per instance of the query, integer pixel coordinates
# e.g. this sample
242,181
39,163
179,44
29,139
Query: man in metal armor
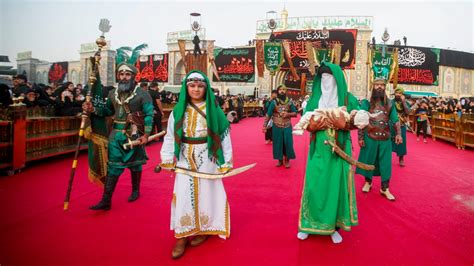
281,110
375,139
132,110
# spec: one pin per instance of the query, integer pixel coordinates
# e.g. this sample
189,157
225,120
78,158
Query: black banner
152,67
299,55
418,65
456,59
235,64
58,72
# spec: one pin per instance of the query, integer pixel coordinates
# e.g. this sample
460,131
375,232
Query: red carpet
430,223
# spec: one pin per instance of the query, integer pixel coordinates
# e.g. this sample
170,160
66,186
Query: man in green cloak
375,143
280,111
328,201
403,109
132,109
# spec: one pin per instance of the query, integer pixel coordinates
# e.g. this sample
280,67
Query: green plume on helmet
127,57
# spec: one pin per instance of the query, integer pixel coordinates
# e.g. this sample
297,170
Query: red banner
58,72
152,68
260,58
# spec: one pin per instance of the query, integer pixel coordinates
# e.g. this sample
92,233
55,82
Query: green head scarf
400,89
217,124
341,87
342,95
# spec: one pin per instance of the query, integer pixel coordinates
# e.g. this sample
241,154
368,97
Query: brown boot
280,163
198,240
179,248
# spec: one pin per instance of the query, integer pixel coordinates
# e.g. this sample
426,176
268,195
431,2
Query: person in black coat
5,97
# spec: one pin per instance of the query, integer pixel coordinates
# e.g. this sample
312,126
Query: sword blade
232,172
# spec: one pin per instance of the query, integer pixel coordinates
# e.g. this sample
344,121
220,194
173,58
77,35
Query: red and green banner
299,54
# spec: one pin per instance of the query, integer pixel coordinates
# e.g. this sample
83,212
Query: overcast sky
54,30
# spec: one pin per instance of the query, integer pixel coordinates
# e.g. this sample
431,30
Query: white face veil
328,92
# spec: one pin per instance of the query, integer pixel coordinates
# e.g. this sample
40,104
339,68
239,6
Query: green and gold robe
329,199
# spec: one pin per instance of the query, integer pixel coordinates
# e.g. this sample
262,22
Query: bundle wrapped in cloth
361,117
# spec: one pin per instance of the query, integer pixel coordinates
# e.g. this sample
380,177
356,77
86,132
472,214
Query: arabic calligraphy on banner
235,65
305,23
418,65
173,37
382,64
273,55
299,54
152,68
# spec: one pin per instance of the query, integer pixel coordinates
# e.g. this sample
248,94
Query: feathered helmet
127,58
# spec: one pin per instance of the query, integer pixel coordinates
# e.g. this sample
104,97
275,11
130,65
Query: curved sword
231,172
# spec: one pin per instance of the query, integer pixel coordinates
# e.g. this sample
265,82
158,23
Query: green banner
273,53
323,55
382,64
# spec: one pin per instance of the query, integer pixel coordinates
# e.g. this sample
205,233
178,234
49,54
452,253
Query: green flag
98,136
273,54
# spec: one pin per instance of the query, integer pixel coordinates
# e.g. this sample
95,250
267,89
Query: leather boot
198,240
136,178
106,202
179,248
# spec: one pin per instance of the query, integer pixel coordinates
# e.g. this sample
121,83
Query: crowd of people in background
444,105
67,99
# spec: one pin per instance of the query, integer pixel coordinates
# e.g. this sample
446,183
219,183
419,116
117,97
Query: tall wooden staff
104,26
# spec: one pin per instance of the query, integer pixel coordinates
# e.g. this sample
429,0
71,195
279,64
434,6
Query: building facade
453,81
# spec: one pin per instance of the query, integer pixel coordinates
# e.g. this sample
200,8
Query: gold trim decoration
186,220
168,165
224,169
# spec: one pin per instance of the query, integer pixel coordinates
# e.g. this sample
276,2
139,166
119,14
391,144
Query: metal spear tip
385,35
